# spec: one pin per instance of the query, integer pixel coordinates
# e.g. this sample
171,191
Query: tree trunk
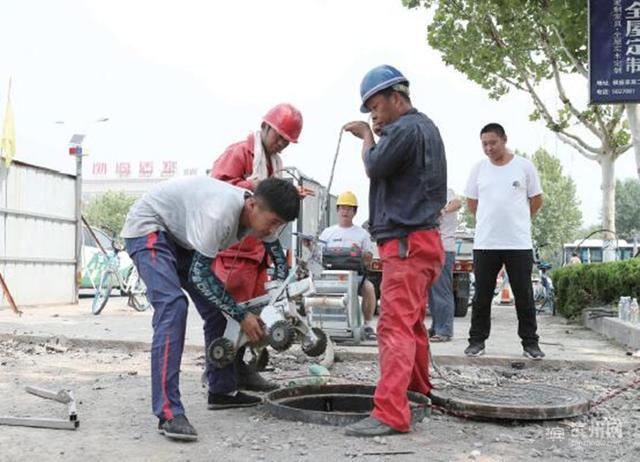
633,115
608,186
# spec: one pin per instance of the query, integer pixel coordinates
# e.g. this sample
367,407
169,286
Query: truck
463,273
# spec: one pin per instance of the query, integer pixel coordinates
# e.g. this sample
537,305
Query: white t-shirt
448,225
338,237
503,218
200,213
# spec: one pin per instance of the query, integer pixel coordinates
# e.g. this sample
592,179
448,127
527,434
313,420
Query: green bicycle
130,284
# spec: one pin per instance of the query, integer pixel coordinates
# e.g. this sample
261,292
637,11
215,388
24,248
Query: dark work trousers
486,265
164,267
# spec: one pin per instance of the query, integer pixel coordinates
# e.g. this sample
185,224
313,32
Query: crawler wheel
281,336
318,347
221,352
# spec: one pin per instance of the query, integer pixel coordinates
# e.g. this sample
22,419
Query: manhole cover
333,404
513,401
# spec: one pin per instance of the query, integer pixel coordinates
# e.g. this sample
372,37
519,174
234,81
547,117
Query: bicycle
131,285
543,292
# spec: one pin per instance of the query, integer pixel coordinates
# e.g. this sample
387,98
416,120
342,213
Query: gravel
112,390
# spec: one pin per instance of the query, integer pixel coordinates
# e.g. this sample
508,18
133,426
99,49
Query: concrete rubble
105,360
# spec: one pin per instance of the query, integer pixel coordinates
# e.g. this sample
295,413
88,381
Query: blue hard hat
378,79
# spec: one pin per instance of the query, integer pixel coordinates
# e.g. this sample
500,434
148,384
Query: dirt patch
112,388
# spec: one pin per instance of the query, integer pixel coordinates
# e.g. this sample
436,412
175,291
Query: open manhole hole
527,401
333,404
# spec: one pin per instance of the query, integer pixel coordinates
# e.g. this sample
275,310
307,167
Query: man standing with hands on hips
503,192
408,188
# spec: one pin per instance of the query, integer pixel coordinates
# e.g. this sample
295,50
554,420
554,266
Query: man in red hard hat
243,267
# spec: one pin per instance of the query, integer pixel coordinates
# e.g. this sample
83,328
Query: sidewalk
566,345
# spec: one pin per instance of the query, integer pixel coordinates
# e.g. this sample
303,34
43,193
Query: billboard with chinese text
614,51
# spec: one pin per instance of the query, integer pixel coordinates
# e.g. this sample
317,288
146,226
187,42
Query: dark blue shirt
408,173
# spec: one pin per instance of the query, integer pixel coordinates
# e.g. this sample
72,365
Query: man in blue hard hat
407,169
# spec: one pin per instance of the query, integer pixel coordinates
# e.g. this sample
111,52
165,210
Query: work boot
370,427
533,352
248,379
178,428
475,349
219,401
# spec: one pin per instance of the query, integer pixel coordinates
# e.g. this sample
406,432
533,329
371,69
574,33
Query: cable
323,208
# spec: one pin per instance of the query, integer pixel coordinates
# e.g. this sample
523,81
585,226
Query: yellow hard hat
347,198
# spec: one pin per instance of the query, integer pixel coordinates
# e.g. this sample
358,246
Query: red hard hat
286,120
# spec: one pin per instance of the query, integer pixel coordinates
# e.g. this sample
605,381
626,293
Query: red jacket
234,166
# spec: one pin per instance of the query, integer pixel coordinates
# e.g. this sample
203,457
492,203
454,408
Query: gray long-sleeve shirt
201,214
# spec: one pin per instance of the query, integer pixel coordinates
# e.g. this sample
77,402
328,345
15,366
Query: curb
351,353
624,365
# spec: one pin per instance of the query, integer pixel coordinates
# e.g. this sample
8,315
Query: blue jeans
441,301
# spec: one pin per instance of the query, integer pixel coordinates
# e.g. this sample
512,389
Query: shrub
580,286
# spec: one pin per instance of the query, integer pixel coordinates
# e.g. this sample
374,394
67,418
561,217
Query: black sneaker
222,401
475,349
253,381
369,427
248,379
533,352
369,333
178,428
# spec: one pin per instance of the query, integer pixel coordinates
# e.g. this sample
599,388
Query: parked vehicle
591,250
543,292
463,273
130,285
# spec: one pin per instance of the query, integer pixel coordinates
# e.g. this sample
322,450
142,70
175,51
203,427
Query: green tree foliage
466,217
108,211
628,208
518,44
560,217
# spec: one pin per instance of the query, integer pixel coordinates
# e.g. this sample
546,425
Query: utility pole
75,149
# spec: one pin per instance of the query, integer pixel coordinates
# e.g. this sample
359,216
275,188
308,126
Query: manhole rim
420,404
579,405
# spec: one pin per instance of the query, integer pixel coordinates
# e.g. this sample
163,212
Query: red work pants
409,268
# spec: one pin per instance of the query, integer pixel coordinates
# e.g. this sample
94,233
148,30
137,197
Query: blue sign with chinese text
614,51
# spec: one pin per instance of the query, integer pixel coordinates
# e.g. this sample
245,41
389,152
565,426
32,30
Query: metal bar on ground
61,396
40,422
